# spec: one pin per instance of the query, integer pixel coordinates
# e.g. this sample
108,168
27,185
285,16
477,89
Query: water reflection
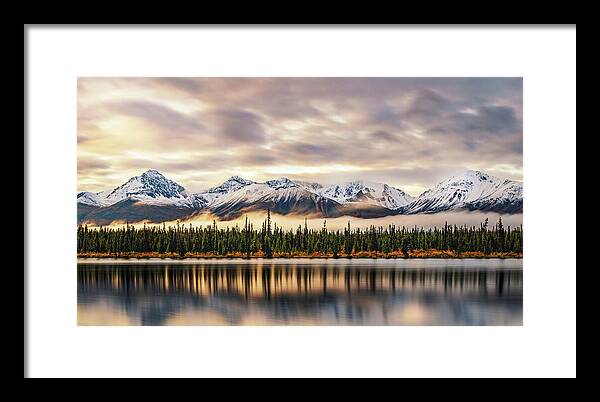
316,293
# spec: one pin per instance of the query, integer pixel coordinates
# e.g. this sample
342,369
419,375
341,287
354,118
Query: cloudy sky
407,132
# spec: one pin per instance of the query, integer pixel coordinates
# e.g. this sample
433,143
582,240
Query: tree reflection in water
264,293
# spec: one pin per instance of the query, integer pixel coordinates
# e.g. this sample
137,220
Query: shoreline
238,256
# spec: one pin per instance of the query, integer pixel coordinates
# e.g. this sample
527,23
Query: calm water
300,292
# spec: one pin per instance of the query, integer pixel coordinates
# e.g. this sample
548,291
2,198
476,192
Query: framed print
300,201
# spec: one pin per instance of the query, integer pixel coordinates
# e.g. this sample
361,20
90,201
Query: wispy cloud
409,132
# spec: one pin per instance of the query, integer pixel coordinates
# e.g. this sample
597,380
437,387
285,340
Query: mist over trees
269,240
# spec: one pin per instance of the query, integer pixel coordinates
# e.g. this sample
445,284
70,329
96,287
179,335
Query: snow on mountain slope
281,183
151,187
275,190
154,197
509,190
231,185
250,193
310,186
372,193
92,199
288,194
507,197
282,196
280,189
465,191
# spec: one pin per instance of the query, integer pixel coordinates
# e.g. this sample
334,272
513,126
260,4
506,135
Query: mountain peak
152,173
232,184
365,191
150,184
239,179
282,182
466,191
476,174
469,190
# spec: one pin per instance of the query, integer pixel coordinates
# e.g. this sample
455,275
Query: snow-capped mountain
232,184
204,199
371,193
282,196
507,198
151,196
151,187
310,186
472,190
91,199
280,183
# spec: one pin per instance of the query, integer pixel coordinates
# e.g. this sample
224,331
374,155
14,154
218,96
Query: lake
300,292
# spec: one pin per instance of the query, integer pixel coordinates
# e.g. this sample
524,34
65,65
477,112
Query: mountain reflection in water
313,292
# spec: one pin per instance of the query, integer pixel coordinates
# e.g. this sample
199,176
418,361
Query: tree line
269,240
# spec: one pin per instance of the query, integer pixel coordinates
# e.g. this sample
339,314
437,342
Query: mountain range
153,197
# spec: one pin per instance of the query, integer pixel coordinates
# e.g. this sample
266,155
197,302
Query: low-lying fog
421,220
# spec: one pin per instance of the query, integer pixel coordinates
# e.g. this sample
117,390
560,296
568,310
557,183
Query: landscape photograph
300,201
